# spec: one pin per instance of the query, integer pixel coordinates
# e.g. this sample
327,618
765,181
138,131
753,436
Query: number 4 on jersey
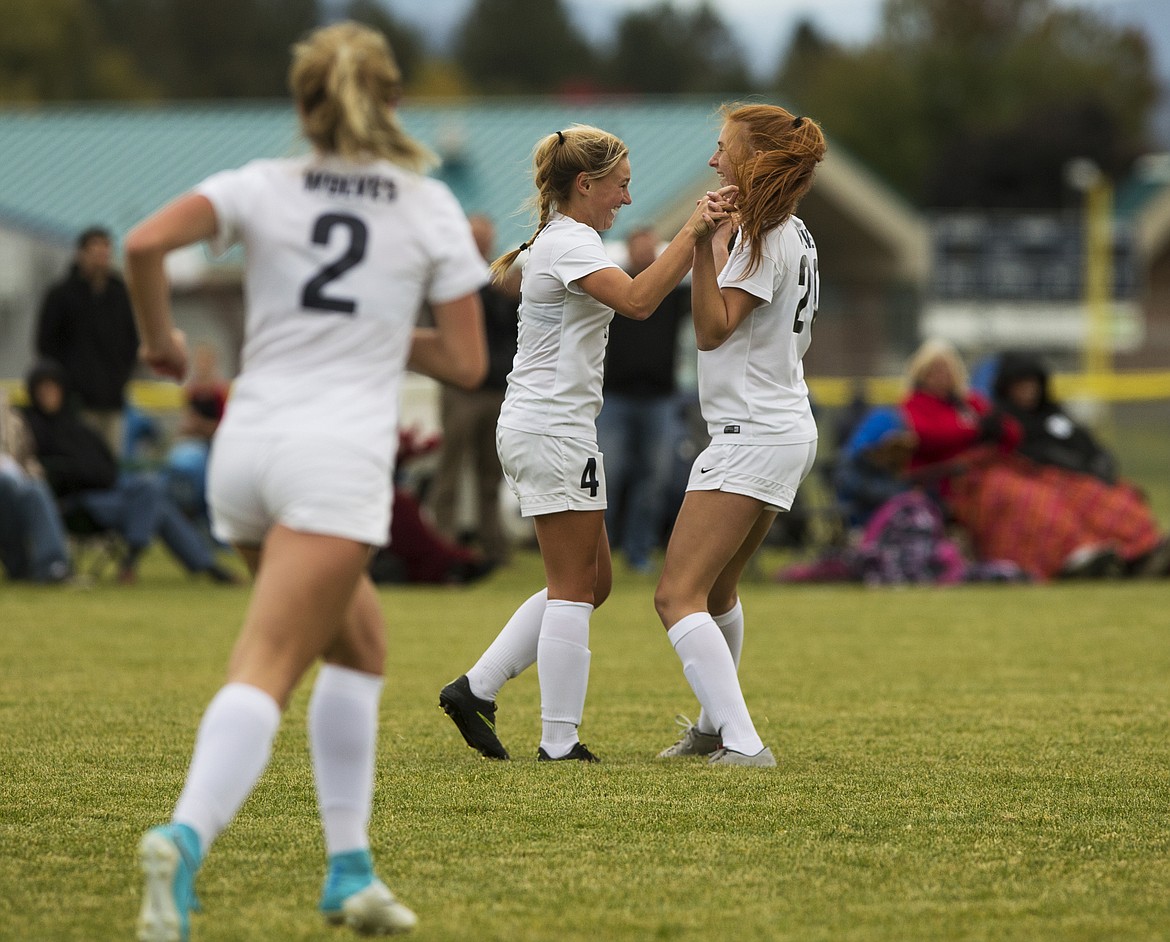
589,480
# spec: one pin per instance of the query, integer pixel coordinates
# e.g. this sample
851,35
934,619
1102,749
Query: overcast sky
764,26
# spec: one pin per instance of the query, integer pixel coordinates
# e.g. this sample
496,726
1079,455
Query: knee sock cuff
566,621
732,614
347,682
566,604
248,696
685,625
573,645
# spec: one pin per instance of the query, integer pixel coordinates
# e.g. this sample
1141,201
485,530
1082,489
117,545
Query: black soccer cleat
475,718
579,752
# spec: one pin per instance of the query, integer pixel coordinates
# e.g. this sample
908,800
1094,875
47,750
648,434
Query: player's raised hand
724,195
712,212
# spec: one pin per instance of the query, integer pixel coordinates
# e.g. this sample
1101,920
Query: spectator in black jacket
86,324
83,474
1051,436
640,422
1053,439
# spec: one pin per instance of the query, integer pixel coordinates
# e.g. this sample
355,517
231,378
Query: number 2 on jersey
313,295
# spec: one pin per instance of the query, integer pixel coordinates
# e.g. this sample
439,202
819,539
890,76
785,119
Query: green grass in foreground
975,763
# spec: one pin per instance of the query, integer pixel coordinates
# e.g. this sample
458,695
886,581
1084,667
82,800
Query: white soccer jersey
340,258
555,384
752,386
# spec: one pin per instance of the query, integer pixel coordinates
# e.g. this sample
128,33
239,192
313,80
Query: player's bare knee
664,602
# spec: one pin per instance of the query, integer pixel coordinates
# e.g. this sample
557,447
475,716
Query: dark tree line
532,47
208,49
980,102
954,102
55,50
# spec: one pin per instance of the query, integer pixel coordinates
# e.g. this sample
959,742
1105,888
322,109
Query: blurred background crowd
996,200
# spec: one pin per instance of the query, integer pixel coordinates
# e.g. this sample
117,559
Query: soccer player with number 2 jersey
342,247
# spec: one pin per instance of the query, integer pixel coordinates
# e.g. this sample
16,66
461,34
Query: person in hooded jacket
83,475
1053,523
1051,436
1069,454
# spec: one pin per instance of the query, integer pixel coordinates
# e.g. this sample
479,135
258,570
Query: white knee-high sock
513,651
710,671
562,661
231,750
731,624
343,731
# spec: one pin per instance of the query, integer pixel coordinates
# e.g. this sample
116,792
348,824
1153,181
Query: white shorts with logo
323,486
770,473
549,474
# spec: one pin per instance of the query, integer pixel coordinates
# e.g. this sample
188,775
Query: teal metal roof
64,168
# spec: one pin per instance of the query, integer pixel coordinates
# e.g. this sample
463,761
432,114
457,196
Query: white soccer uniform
340,257
555,384
554,389
752,387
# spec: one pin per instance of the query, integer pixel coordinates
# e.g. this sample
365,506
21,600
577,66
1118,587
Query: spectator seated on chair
142,438
82,471
871,465
1067,453
417,552
185,467
33,545
900,533
1052,522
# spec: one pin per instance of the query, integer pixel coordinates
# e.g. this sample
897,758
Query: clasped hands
712,211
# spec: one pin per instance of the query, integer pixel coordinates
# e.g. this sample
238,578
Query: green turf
978,763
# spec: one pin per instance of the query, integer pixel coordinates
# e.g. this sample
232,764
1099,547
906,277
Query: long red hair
775,155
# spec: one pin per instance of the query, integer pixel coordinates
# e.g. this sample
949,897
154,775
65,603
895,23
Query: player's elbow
638,302
707,340
140,245
636,309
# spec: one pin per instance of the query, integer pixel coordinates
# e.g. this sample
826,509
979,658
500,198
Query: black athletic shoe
475,718
578,752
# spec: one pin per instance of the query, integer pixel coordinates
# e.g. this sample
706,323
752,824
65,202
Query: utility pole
1083,174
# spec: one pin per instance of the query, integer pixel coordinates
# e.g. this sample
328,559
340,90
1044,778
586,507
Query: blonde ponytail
557,159
346,82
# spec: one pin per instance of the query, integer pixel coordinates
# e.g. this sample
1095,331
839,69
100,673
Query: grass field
983,763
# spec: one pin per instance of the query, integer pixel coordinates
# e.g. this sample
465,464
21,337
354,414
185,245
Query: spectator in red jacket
1050,522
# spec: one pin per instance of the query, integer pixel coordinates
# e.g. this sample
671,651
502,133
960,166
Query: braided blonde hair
557,159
